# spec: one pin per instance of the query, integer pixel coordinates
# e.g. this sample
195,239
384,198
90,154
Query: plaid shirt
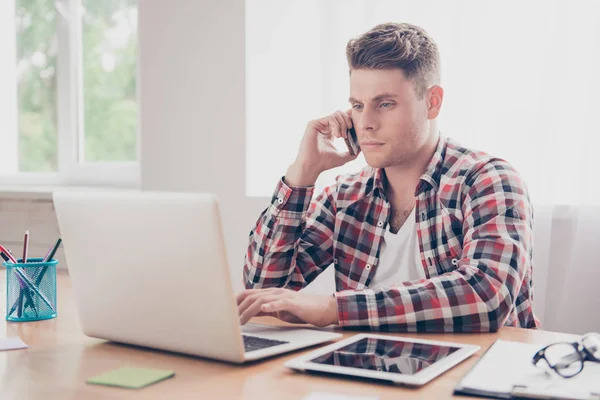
474,224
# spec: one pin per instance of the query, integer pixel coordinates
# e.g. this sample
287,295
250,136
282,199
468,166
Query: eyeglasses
566,359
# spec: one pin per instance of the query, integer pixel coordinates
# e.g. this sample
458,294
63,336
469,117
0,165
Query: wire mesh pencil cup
30,290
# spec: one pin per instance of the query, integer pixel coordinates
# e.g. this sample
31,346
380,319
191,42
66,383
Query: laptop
150,269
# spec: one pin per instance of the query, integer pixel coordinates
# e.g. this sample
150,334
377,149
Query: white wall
192,86
192,111
19,213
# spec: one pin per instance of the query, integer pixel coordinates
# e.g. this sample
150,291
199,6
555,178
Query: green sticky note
132,378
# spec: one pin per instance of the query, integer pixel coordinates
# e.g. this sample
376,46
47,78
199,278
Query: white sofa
566,275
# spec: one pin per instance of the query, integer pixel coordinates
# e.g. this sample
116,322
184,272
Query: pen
9,258
8,254
19,301
47,258
52,251
23,291
25,245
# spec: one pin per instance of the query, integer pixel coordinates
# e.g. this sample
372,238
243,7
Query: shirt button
280,200
368,267
379,223
335,260
454,261
422,217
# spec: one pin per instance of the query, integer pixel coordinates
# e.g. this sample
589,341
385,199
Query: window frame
70,130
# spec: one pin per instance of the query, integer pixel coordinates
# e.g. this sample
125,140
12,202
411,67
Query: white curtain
565,275
521,82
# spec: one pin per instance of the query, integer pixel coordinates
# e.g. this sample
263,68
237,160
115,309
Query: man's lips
370,143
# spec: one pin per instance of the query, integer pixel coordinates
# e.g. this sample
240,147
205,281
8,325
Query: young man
431,236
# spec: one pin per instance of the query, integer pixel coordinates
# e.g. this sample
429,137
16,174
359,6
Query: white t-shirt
400,257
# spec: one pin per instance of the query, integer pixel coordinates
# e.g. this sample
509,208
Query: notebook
505,371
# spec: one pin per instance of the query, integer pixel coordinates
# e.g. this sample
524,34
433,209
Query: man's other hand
287,305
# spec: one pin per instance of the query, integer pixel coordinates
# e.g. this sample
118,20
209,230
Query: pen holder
30,290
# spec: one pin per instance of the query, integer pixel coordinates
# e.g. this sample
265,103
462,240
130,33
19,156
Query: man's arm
292,241
478,296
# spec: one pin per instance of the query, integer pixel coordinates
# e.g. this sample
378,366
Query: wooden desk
60,358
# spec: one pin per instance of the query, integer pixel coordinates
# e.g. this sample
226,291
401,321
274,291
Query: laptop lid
150,269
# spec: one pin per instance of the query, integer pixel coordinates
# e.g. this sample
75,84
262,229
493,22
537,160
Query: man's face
391,124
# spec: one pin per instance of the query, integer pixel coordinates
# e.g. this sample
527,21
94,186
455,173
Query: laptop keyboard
252,343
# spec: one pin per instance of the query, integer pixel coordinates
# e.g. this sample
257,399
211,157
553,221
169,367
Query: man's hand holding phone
352,142
317,152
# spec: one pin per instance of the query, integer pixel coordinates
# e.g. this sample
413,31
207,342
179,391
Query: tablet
401,360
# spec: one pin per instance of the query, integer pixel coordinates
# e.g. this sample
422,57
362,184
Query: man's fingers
341,123
266,314
285,304
322,126
240,297
335,126
254,309
347,119
248,301
348,114
250,296
243,294
345,156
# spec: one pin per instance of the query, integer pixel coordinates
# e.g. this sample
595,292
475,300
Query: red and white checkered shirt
474,224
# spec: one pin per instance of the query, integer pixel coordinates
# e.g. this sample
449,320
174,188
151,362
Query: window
70,110
520,81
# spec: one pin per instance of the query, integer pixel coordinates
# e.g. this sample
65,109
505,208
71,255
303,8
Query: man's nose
367,121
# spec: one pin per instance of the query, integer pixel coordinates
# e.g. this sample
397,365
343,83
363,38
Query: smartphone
352,142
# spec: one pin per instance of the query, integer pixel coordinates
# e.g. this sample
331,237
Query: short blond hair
397,45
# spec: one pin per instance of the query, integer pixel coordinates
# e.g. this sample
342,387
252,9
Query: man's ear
435,97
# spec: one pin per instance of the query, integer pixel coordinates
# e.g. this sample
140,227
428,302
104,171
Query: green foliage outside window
109,57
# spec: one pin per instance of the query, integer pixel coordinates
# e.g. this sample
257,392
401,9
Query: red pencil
25,246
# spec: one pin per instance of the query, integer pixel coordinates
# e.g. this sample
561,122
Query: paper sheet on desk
507,364
12,343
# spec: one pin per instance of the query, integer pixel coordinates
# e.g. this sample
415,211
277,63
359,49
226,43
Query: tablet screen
386,355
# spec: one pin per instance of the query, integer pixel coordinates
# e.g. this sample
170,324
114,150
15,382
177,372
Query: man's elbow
490,321
497,317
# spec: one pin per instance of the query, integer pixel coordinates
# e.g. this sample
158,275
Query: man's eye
357,107
386,105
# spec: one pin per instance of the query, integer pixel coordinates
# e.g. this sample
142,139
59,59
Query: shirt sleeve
479,295
292,241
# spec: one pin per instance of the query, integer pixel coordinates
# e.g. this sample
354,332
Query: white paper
12,343
509,363
334,396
